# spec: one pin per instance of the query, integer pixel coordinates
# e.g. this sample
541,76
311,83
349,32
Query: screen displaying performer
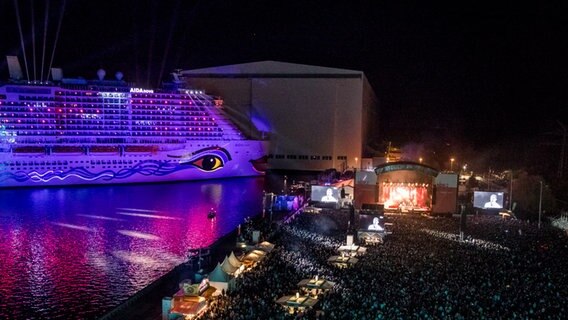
371,222
325,194
488,200
375,226
328,196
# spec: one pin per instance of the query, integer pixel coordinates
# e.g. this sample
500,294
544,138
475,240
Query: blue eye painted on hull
208,162
208,159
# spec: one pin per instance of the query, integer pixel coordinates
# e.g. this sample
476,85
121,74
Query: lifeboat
103,149
28,149
67,149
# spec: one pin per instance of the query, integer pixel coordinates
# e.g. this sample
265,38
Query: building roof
272,69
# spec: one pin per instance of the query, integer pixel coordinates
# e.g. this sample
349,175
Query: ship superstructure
101,131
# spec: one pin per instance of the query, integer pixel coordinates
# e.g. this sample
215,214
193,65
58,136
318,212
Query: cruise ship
78,131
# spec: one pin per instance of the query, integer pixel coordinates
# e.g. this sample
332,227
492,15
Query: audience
505,269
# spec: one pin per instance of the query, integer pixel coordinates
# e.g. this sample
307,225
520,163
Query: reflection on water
78,252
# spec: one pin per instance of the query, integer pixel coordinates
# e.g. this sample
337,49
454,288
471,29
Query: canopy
342,261
353,250
266,246
228,267
295,302
313,284
219,275
188,306
233,260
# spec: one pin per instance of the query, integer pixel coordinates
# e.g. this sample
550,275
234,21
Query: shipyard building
315,117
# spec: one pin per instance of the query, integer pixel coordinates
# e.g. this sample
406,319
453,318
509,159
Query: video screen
405,196
325,194
371,222
488,200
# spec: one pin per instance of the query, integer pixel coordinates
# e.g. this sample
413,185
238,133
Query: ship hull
195,161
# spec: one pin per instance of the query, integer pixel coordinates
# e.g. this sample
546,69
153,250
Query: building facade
316,118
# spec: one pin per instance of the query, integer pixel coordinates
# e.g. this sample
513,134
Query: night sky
466,75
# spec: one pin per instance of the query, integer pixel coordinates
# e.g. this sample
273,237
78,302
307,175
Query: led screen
405,196
325,194
488,200
371,222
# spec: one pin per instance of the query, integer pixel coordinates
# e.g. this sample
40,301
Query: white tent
233,260
228,267
220,279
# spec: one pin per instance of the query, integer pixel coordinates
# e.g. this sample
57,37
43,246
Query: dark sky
470,74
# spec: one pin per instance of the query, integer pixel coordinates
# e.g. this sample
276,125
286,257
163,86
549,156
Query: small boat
212,214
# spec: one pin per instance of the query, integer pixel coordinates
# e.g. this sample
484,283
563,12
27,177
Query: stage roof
406,165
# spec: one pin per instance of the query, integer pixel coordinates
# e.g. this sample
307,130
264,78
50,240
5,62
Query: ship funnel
56,74
119,75
14,68
101,74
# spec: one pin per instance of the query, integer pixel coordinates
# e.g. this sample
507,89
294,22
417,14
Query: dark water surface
76,253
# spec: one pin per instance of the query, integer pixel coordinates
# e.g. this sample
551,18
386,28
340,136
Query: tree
526,194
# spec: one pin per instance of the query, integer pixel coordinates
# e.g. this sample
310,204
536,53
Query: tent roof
218,275
320,284
338,259
291,301
234,260
228,267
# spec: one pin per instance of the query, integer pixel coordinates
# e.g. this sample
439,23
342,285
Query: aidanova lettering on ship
76,131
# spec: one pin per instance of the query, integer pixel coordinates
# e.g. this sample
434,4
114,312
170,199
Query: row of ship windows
81,162
168,96
65,162
117,98
99,140
125,102
120,133
93,124
91,94
21,128
304,157
30,110
121,165
11,118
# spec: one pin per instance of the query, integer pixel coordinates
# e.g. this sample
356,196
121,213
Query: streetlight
511,193
420,159
452,164
540,205
356,159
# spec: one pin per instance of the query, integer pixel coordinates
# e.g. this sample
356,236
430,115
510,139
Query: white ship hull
107,132
197,161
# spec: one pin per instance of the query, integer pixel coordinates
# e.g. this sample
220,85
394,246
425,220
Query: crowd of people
506,269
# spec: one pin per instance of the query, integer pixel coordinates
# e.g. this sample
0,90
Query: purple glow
76,253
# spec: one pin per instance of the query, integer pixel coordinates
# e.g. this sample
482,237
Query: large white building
315,117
